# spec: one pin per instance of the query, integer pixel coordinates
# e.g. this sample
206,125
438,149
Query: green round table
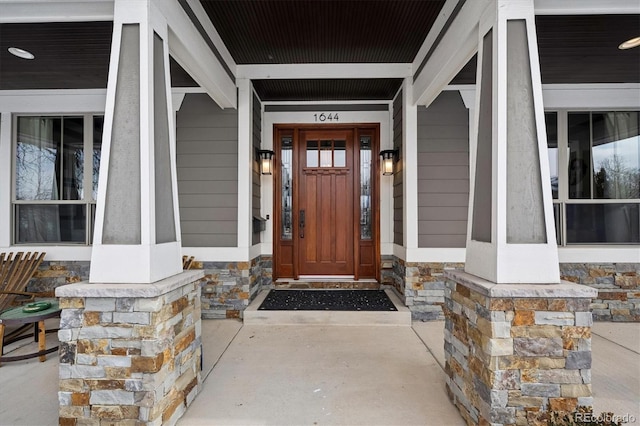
16,316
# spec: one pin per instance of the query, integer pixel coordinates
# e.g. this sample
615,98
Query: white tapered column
137,234
511,235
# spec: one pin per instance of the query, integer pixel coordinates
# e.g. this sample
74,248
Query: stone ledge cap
86,289
488,288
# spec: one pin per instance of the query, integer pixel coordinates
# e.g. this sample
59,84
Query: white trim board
53,101
586,7
577,254
14,11
575,96
68,253
307,117
322,71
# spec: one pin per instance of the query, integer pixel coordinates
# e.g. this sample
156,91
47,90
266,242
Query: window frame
563,175
87,200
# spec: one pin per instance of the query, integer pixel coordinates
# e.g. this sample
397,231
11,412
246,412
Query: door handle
301,223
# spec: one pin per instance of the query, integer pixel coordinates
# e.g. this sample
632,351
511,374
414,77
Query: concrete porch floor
306,375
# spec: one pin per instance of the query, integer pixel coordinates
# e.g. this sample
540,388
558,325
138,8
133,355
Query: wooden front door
326,213
325,202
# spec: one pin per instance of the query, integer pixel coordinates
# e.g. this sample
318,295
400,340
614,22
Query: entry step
254,316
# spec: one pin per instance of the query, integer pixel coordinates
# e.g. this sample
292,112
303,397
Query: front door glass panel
365,188
286,191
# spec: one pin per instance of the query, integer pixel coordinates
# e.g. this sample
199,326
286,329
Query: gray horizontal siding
204,240
209,174
209,200
207,160
203,133
203,187
398,193
443,172
442,241
257,142
198,214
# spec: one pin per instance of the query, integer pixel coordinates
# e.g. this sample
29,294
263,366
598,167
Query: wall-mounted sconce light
389,158
265,161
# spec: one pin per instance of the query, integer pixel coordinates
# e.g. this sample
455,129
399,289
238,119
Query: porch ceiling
300,32
573,49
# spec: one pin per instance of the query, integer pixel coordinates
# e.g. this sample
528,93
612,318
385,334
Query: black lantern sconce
265,161
389,158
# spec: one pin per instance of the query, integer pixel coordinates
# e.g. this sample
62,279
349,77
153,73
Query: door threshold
326,278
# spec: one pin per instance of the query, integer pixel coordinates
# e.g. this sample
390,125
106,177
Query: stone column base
514,350
129,353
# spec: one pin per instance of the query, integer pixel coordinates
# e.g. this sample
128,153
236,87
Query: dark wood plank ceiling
584,49
75,55
581,49
69,55
298,32
327,90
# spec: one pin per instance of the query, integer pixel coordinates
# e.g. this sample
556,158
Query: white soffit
586,7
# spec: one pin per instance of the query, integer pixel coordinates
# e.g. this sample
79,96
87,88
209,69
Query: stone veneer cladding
53,273
229,287
618,286
514,350
129,354
420,285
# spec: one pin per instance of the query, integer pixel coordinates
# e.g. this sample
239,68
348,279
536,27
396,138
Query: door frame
287,250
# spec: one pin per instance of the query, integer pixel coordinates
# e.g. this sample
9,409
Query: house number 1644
322,117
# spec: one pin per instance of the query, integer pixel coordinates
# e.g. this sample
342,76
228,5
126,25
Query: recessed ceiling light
634,42
21,53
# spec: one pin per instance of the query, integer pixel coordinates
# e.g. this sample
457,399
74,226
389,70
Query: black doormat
327,300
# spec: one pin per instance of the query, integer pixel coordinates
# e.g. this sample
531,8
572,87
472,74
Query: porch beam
324,71
213,34
18,11
454,49
191,51
439,25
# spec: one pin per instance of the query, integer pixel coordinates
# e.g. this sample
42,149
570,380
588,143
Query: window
366,214
329,153
56,166
551,121
598,201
